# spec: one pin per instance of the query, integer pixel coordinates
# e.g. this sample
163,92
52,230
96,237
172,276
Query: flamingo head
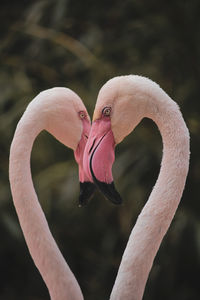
67,119
115,116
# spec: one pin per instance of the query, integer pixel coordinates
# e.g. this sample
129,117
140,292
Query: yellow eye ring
82,114
106,111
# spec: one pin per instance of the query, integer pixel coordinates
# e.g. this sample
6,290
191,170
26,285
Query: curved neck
58,277
157,214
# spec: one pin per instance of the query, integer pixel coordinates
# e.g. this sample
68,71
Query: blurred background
80,45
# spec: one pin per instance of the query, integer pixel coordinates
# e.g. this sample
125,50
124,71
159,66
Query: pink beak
87,187
98,158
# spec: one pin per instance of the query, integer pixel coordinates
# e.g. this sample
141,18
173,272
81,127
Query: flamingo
62,113
121,104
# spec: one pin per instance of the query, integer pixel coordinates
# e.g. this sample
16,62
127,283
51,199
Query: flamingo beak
87,186
87,190
98,159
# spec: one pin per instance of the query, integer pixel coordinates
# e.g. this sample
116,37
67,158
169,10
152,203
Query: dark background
80,45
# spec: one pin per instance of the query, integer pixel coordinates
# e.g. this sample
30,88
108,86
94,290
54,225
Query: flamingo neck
156,216
58,277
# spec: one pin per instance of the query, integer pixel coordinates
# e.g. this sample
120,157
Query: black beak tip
109,191
86,191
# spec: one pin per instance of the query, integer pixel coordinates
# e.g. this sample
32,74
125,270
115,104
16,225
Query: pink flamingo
122,103
62,113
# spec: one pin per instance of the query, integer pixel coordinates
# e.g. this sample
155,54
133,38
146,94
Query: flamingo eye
106,111
82,114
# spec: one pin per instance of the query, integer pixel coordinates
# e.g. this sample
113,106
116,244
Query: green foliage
81,44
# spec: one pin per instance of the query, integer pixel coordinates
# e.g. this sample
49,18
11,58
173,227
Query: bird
122,103
62,113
